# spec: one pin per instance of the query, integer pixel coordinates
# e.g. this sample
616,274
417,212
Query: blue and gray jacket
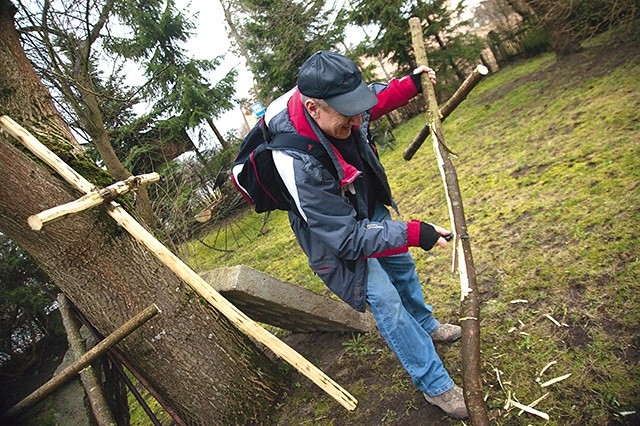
331,220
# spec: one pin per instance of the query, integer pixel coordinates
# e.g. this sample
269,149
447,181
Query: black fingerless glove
428,236
417,81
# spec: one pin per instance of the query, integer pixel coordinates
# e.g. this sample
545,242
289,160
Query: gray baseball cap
337,80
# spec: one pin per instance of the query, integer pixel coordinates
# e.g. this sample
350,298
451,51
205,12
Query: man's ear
312,108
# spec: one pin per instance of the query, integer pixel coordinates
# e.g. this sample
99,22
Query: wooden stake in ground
233,314
470,310
460,95
97,351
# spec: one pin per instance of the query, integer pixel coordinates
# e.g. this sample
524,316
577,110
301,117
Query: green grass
549,156
137,414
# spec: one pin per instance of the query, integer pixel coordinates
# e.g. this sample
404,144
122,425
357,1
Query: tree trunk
223,142
522,8
207,370
443,46
233,31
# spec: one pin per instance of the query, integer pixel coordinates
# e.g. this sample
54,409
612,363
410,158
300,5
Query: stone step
271,301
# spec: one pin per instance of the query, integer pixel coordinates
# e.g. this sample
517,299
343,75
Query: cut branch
460,95
470,311
204,289
92,199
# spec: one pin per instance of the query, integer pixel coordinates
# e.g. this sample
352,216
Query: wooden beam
460,95
233,314
470,311
92,199
97,351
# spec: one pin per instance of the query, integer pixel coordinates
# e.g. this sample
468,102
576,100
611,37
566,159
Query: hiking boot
451,402
446,333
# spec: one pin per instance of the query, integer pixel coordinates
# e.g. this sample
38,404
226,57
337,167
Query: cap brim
355,102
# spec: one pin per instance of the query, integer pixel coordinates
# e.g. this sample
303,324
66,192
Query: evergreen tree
26,294
278,35
84,51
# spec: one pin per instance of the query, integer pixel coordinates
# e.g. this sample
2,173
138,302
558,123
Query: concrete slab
268,300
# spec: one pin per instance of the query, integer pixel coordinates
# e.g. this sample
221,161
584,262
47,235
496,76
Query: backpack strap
295,142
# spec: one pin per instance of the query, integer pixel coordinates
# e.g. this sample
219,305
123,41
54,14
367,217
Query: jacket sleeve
329,217
397,93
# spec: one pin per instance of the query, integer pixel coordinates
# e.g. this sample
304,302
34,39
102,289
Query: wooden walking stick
469,307
182,270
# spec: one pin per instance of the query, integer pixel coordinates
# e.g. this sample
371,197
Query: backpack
254,173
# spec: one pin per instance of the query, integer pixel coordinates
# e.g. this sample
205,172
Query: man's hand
430,72
442,242
431,235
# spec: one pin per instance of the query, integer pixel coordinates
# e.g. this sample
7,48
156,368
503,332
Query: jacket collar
305,126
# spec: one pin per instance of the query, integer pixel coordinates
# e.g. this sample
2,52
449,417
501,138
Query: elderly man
341,220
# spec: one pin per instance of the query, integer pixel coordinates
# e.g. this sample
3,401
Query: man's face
331,122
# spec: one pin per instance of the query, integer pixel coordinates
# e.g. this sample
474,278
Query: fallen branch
88,377
96,352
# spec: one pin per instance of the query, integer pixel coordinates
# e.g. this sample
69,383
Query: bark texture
206,369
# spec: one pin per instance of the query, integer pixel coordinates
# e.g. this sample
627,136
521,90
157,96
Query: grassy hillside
549,156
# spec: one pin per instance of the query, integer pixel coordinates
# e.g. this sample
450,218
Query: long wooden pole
97,351
237,317
99,406
470,311
460,95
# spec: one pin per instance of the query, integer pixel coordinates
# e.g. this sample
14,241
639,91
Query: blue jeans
394,294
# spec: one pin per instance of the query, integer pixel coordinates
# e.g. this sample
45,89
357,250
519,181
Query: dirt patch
576,291
535,169
575,336
373,375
